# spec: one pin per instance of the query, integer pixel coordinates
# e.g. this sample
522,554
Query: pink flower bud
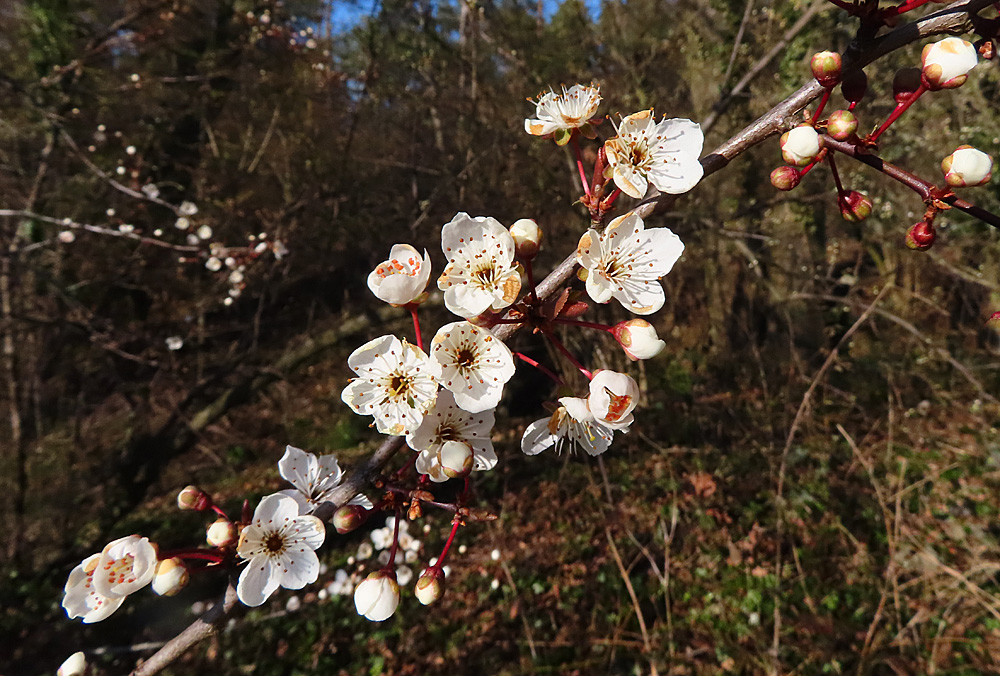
946,63
349,517
826,68
456,459
904,84
171,576
994,321
855,206
527,238
377,597
801,145
429,587
842,125
785,178
921,236
638,338
192,498
854,85
221,533
967,167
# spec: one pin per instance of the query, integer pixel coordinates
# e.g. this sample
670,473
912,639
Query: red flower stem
822,104
806,169
606,204
528,360
903,8
836,177
456,522
416,327
569,355
586,325
852,105
899,110
408,464
579,163
218,510
204,554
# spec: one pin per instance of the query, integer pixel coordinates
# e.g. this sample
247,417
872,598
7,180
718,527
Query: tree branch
955,18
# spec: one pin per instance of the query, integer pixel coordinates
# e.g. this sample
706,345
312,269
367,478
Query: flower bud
946,63
527,238
826,68
921,236
194,499
75,665
785,178
842,125
967,167
349,517
854,85
456,459
429,587
904,84
801,145
855,206
171,576
994,321
638,338
221,533
377,596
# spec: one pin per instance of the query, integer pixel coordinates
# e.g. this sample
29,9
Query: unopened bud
171,576
826,68
855,206
349,517
456,459
967,167
854,85
194,499
221,533
527,238
921,236
801,145
946,63
994,321
842,125
377,596
75,665
638,338
785,178
429,587
904,84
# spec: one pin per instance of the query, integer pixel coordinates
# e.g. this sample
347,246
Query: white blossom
967,167
612,398
315,479
448,422
572,423
638,338
126,565
81,599
397,384
377,596
664,154
626,262
75,665
474,364
480,274
187,208
279,546
403,277
946,63
801,145
573,108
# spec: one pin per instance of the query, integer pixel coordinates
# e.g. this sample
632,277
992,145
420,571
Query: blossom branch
100,230
927,190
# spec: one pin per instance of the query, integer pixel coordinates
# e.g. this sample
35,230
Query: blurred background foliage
710,540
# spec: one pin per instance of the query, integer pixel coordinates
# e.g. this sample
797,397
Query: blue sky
347,14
